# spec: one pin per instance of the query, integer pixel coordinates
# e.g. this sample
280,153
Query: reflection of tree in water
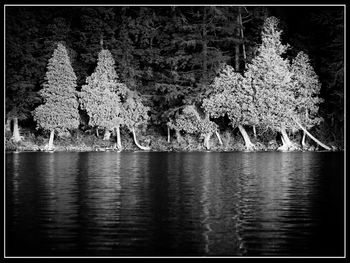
273,193
45,213
160,187
13,185
205,202
135,219
33,200
175,203
99,201
218,189
183,203
61,185
14,210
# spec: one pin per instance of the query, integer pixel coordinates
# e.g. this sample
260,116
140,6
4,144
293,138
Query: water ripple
117,204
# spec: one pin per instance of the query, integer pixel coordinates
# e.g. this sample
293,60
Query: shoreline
165,151
90,143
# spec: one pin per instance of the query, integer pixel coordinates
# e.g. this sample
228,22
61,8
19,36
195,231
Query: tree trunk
8,125
242,37
312,137
52,134
283,141
248,144
107,135
237,58
119,143
303,140
219,138
254,130
97,134
16,136
178,136
137,144
205,49
207,140
168,134
287,144
238,33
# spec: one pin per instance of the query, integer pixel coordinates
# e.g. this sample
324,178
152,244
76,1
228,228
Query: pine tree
325,46
127,54
23,68
191,122
60,111
270,78
306,91
101,96
134,114
233,96
282,92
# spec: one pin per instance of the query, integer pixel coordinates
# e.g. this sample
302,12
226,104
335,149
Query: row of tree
108,103
272,93
167,57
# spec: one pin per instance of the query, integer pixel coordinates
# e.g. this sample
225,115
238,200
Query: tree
327,50
270,78
282,92
191,122
232,95
253,23
132,43
101,96
60,111
135,114
306,91
23,68
322,37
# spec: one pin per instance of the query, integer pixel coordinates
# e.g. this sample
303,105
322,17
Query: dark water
175,204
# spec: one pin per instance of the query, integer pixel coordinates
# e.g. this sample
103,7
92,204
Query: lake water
175,204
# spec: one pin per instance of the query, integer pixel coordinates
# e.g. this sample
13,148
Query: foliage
270,78
191,122
101,96
233,96
271,91
306,90
171,55
60,111
125,49
134,112
23,68
323,40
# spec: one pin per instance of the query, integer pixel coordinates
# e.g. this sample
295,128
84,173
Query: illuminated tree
233,96
191,122
60,111
134,114
101,96
306,90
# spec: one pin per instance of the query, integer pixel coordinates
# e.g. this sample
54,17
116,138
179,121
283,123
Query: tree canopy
60,109
101,96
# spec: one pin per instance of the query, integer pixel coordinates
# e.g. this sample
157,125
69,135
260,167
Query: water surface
175,204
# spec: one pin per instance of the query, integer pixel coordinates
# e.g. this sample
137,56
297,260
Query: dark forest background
169,54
